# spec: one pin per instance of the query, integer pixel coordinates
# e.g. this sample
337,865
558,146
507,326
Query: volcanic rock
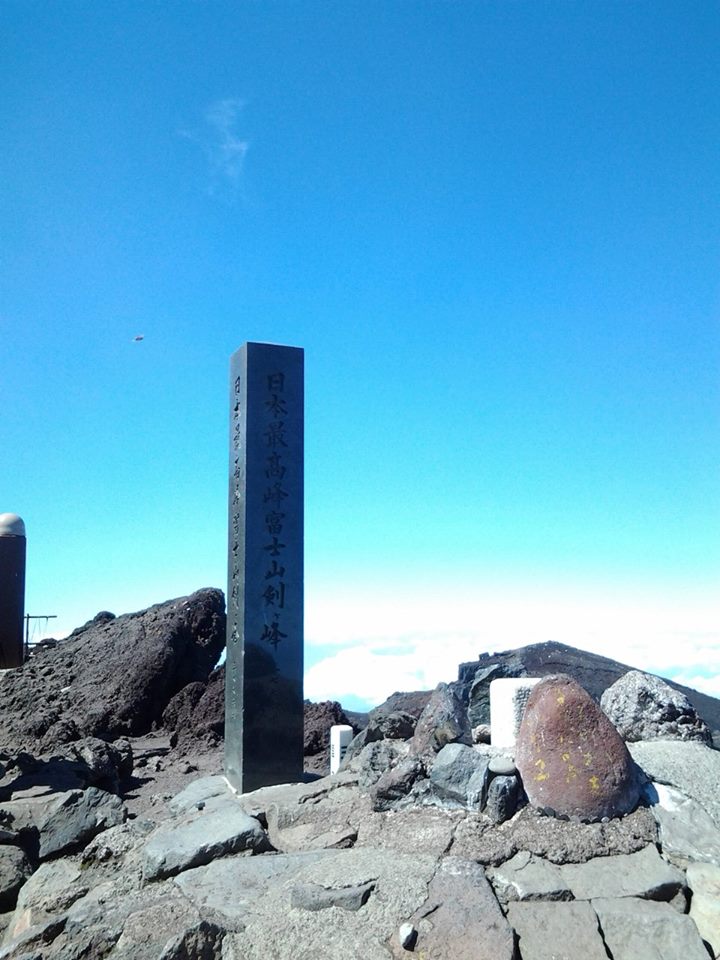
593,672
444,720
644,707
473,685
412,702
459,774
572,760
704,881
114,676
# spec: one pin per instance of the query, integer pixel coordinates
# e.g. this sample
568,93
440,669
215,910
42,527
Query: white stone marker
340,736
508,696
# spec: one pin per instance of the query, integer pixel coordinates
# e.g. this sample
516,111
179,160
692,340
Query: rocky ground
119,837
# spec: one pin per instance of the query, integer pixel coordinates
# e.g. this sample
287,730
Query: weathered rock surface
112,677
643,874
644,930
528,877
557,840
687,832
644,707
692,768
459,774
55,822
557,931
572,760
704,881
460,919
593,672
14,871
473,686
200,836
444,720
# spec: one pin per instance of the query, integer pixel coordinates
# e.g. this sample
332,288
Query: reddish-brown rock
572,760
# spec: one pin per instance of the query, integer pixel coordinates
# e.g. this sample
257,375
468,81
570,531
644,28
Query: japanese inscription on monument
264,668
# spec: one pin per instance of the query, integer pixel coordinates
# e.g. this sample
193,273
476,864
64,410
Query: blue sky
494,228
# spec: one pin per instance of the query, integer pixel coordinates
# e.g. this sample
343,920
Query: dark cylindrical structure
12,590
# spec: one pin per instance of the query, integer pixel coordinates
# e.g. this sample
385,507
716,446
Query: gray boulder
459,774
14,870
687,832
197,837
503,798
644,707
397,725
396,783
57,822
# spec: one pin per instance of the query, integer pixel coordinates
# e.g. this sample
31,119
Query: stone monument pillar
12,589
264,666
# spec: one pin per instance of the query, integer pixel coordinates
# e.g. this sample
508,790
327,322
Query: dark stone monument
12,589
264,668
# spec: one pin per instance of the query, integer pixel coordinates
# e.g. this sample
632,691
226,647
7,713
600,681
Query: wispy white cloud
222,145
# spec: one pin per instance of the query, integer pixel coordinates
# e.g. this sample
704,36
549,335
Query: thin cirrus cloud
224,148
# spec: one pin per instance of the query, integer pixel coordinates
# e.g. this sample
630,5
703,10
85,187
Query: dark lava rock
114,676
444,720
396,783
319,717
644,707
473,685
593,672
413,702
572,760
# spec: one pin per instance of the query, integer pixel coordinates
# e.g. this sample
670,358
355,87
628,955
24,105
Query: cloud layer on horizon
359,651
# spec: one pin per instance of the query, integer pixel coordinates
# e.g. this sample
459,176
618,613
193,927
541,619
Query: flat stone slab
461,919
424,830
199,791
558,931
692,768
527,877
199,836
687,832
643,874
645,930
274,928
249,879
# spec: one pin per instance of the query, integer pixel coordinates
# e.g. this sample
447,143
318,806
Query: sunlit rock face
572,760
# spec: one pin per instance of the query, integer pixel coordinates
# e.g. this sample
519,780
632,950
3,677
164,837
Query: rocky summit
120,838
